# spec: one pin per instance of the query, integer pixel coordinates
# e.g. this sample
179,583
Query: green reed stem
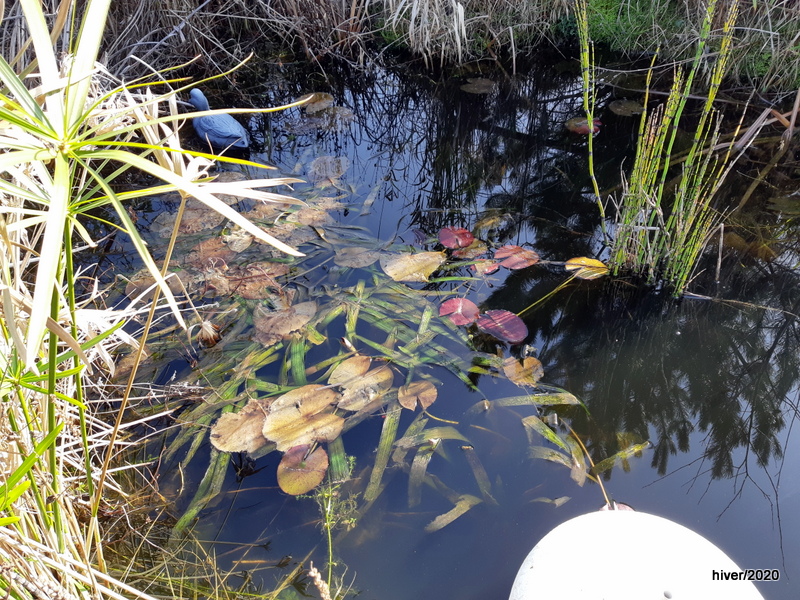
589,97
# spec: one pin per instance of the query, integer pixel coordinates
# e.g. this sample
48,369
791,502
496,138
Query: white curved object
626,555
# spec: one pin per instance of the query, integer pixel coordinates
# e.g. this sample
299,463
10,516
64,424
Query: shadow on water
711,383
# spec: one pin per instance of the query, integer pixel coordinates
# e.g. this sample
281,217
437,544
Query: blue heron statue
221,131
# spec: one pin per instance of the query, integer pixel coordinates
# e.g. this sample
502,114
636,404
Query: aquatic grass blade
385,445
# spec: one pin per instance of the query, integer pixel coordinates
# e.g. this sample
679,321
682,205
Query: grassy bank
765,54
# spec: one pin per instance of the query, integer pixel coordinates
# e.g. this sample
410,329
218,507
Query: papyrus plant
68,132
66,141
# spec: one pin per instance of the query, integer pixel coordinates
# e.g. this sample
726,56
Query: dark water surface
712,384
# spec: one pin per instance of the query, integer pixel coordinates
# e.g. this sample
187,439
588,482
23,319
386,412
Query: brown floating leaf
586,268
355,257
347,371
459,310
528,372
298,473
474,250
412,267
241,432
272,326
423,392
238,240
516,257
196,217
478,85
297,417
141,280
561,500
626,108
212,251
503,325
319,101
455,237
364,390
256,281
493,223
325,171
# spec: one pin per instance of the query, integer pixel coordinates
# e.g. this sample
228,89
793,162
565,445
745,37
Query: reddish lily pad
503,325
485,266
455,237
516,257
460,311
580,126
298,473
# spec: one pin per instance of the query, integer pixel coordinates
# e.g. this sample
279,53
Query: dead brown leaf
422,392
273,326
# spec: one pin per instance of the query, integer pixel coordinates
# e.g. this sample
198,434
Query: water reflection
709,381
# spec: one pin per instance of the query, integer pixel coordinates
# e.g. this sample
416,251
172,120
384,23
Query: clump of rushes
69,132
659,236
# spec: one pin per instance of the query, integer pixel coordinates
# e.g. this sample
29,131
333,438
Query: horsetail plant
660,242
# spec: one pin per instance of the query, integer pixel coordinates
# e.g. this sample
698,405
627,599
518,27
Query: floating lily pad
503,325
242,431
325,171
493,224
142,280
298,473
580,126
460,311
586,268
528,372
366,389
256,281
355,257
516,257
272,326
560,501
478,85
303,416
474,250
319,101
422,392
210,252
349,370
485,266
455,237
238,240
626,108
412,267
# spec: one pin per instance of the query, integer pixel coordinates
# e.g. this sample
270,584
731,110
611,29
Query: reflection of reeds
660,236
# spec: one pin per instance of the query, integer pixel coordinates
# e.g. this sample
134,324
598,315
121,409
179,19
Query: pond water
713,384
